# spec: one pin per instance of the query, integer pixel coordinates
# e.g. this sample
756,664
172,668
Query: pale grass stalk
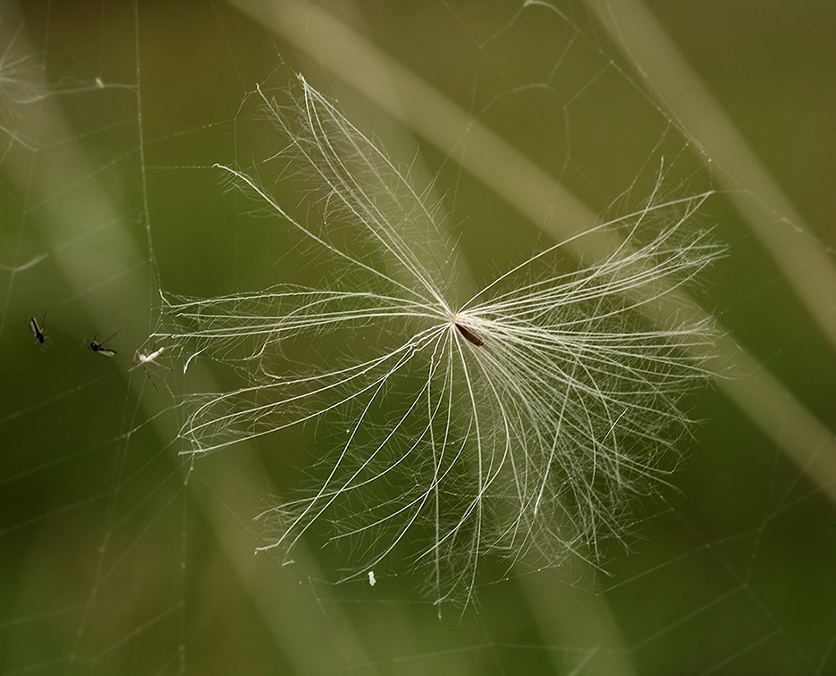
292,618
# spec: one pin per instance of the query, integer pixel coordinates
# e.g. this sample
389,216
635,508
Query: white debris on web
520,422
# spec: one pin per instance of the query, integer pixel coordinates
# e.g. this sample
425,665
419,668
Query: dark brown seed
470,335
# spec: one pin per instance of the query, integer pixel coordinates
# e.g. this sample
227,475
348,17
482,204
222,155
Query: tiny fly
145,359
99,347
38,330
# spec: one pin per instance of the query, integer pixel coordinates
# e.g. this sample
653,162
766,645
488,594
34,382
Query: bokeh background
120,554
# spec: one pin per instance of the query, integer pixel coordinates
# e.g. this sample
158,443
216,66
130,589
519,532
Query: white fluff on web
519,422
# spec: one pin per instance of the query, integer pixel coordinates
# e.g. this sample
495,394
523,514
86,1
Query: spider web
120,554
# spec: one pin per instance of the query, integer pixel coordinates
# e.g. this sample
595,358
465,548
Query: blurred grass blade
770,214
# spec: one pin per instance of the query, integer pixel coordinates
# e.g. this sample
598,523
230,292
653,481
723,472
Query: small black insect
38,330
470,335
99,347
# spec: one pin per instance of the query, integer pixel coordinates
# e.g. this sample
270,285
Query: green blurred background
121,555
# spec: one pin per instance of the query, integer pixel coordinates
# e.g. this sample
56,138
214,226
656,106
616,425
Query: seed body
470,335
